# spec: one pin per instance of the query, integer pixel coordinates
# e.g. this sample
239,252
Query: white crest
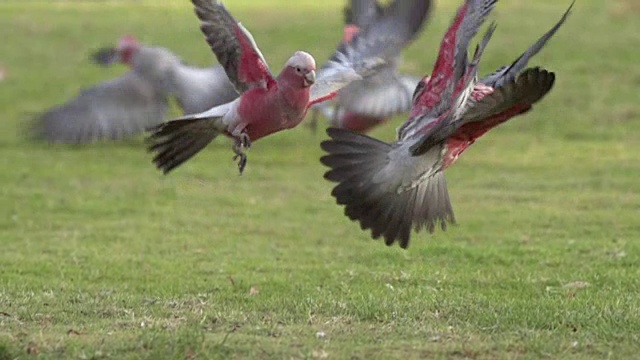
303,60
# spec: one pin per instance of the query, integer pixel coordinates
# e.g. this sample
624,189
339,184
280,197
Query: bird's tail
177,141
382,191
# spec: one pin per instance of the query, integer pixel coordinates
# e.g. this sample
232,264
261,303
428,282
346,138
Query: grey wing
477,12
382,95
362,13
373,49
508,73
530,87
233,45
514,98
199,89
114,109
402,20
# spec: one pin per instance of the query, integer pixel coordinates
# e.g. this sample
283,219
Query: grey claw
242,142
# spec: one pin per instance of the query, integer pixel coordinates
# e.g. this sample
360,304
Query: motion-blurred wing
382,95
372,49
199,89
362,13
114,109
233,45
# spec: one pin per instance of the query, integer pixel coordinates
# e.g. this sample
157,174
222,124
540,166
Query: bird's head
350,31
127,47
301,68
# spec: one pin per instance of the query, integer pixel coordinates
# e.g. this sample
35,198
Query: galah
268,104
390,188
362,105
196,89
127,105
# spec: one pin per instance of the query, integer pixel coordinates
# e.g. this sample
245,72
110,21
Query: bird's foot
242,162
242,142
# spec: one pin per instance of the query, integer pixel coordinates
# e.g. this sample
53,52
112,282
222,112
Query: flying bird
364,104
127,105
390,188
268,103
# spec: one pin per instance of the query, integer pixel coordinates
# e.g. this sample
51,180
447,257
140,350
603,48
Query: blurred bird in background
125,106
364,104
389,188
270,104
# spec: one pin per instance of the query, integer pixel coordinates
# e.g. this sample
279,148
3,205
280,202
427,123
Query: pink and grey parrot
362,105
127,105
390,188
268,104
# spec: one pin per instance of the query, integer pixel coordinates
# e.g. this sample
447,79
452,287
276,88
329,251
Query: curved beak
310,78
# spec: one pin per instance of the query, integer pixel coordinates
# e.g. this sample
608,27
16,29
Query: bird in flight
267,103
390,188
126,105
364,104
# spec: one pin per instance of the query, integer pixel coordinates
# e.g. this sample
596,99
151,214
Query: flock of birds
389,188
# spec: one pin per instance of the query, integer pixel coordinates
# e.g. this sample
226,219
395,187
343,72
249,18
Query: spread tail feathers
380,191
177,141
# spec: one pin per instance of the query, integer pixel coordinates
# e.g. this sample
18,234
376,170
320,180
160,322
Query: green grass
102,257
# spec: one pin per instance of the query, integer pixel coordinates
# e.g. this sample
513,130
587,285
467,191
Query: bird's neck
295,97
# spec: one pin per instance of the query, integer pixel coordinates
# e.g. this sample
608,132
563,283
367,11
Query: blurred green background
103,257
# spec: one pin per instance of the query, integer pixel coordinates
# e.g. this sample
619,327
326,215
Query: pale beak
309,78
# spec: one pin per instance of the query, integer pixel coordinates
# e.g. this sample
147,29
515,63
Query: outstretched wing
362,13
114,109
523,92
514,98
438,98
452,62
198,89
233,45
372,49
383,95
507,73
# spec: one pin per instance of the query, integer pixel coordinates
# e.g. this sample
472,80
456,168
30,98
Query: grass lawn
103,257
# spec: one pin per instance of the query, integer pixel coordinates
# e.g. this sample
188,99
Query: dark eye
298,69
